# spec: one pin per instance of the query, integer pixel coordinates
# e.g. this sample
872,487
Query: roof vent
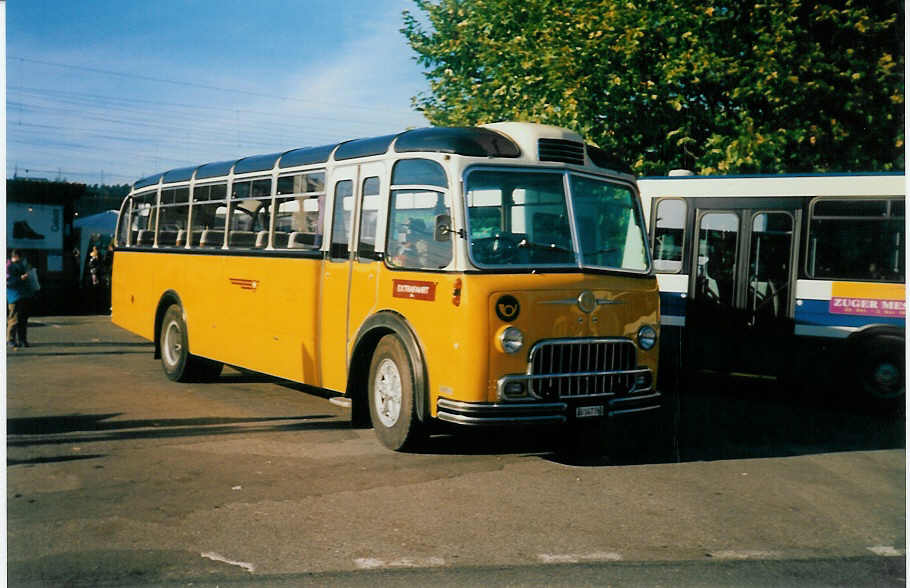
678,173
561,150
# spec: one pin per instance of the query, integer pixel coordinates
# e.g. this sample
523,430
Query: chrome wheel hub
387,392
173,344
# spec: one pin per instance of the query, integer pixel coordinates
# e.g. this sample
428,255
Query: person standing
18,292
95,274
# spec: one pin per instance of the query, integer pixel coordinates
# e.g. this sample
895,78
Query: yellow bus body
263,314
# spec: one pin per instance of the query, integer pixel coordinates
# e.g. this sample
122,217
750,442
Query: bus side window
123,226
857,239
250,214
412,220
142,220
299,210
172,218
670,219
411,242
369,211
342,210
208,216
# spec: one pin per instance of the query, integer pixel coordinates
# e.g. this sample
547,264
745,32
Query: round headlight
511,339
647,337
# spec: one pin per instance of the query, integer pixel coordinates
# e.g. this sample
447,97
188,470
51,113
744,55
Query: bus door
741,287
336,279
370,222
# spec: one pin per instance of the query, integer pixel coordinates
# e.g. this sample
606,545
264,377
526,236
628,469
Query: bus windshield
521,218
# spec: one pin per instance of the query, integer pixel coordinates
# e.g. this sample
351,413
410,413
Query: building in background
39,222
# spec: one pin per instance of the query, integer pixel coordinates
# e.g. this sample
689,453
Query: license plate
589,411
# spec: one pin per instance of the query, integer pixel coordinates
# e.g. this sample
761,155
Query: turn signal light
456,292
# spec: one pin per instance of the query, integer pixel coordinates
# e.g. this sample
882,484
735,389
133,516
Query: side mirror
443,227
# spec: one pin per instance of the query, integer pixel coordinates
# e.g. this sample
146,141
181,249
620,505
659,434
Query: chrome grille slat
578,368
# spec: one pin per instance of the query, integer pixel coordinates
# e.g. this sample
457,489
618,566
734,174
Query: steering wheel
499,248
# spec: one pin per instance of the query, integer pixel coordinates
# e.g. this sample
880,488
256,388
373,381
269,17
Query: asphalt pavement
117,476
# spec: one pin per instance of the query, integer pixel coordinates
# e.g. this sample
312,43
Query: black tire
178,364
391,395
880,371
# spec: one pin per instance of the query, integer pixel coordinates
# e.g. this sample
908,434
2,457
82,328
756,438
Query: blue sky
110,91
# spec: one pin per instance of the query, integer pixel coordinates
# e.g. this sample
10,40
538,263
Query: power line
194,84
44,92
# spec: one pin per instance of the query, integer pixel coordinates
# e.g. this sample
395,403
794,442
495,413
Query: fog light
514,390
511,339
643,381
647,337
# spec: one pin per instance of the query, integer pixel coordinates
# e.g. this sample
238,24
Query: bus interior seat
211,238
243,239
301,240
167,238
280,239
181,238
145,237
262,239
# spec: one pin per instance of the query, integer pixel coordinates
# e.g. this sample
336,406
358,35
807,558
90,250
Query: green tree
718,87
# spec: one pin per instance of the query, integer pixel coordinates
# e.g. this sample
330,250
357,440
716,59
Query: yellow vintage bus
497,275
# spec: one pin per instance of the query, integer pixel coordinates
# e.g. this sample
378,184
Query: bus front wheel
391,395
176,360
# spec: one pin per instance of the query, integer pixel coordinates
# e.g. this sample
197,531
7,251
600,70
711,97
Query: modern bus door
741,285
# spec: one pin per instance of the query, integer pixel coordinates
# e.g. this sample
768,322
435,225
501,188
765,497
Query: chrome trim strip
634,398
632,410
466,420
600,301
482,407
469,413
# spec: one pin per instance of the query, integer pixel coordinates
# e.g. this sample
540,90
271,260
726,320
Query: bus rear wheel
391,395
179,365
880,371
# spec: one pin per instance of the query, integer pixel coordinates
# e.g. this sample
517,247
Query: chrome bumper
541,413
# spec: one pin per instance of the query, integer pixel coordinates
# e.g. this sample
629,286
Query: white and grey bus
783,275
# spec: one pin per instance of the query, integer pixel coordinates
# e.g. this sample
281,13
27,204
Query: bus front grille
570,368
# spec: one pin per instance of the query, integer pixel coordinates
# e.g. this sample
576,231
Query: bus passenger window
341,219
857,240
299,211
142,220
250,214
369,211
669,220
208,216
172,218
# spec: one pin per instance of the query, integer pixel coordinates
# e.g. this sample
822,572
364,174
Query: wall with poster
34,226
39,222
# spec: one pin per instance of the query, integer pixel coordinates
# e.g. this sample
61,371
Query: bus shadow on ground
720,417
717,417
89,428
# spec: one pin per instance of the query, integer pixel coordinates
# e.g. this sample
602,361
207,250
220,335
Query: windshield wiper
525,244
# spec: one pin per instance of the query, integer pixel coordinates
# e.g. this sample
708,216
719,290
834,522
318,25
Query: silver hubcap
387,392
173,343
